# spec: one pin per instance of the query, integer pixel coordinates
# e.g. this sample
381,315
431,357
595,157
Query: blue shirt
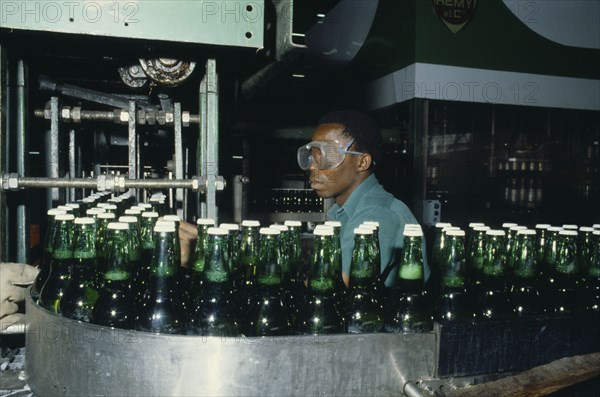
370,202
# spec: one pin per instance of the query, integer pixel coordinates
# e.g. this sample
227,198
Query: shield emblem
455,14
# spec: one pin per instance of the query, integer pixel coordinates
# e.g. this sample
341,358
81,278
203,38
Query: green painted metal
238,23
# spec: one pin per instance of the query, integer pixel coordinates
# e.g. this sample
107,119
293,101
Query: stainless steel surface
209,137
22,232
178,156
52,151
3,150
132,144
72,170
103,182
102,361
238,23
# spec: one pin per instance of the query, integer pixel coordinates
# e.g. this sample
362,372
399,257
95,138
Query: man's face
338,182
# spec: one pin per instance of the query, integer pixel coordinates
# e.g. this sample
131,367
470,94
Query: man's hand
188,234
14,278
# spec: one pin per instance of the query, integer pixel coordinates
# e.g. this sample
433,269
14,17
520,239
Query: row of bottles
122,269
514,271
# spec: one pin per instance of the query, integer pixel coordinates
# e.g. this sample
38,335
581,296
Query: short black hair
361,127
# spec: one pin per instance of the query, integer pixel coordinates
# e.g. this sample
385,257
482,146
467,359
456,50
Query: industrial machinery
207,101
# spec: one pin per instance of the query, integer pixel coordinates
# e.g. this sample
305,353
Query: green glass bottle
293,285
337,254
321,313
215,311
267,315
76,209
102,223
364,313
161,307
493,298
114,306
540,246
564,296
135,251
42,276
592,279
475,255
141,274
585,247
438,255
60,266
203,225
382,274
547,285
524,295
233,230
454,301
411,307
246,276
81,295
511,239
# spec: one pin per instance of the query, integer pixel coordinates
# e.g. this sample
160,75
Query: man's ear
365,162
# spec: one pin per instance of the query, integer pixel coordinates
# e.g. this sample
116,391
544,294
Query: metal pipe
133,169
4,145
411,389
52,159
178,157
22,239
72,171
83,183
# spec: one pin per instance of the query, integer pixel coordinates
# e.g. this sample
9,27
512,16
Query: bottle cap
481,228
106,215
55,211
413,233
64,217
324,227
333,223
72,205
149,214
517,228
323,231
110,207
363,231
165,228
269,231
441,225
586,229
163,222
457,233
508,225
215,231
293,223
250,223
173,218
368,226
132,212
144,205
137,208
555,229
570,227
542,226
205,221
596,225
102,205
450,228
596,232
118,226
476,224
281,228
527,232
94,211
495,232
128,219
371,223
84,221
230,226
568,233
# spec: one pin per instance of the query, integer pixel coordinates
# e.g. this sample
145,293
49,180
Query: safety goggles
325,154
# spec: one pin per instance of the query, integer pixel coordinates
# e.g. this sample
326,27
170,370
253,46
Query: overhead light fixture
300,76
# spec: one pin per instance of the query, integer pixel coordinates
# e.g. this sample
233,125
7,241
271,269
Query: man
345,150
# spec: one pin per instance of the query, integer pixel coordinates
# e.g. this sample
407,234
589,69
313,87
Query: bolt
65,113
76,114
13,182
185,119
124,116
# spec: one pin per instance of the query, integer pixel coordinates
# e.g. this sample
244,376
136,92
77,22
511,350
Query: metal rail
115,183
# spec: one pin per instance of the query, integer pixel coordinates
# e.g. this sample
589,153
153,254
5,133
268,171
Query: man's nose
312,165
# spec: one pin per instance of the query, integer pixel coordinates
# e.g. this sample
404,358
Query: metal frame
208,145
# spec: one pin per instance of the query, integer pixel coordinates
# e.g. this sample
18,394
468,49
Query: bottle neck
455,262
494,260
322,276
216,268
63,238
268,268
164,257
118,256
566,257
525,260
411,265
363,267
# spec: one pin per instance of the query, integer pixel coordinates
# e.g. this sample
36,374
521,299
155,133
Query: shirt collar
353,201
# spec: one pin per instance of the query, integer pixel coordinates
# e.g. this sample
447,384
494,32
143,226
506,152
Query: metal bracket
432,212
